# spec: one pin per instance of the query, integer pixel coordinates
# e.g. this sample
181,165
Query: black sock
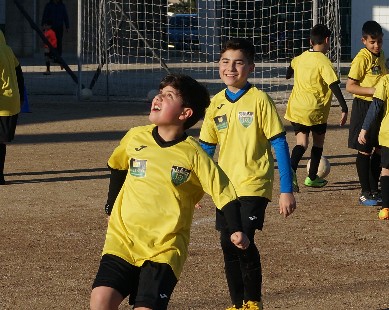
3,151
316,153
363,170
375,171
385,191
297,153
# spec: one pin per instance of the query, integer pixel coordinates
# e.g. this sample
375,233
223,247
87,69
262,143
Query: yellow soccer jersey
9,90
152,215
242,128
382,93
310,101
367,69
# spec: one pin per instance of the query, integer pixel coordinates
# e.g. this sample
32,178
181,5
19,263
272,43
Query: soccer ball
86,94
324,167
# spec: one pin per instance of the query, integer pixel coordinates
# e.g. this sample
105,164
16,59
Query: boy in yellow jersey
11,98
158,174
379,106
367,68
245,122
309,104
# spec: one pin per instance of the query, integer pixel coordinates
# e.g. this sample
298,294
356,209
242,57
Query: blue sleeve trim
208,148
281,149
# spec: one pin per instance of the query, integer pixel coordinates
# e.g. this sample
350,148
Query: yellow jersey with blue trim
367,68
382,93
243,128
152,214
310,100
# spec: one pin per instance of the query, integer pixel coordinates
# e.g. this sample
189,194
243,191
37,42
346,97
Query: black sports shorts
358,114
8,127
252,214
149,286
319,129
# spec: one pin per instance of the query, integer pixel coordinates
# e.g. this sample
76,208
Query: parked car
183,32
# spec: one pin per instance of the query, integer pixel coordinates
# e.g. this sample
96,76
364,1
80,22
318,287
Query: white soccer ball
86,94
151,94
324,167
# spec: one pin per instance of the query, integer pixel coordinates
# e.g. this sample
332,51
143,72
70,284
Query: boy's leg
375,170
3,151
302,140
105,298
385,177
316,152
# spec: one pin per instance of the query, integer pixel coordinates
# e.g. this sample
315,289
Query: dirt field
330,254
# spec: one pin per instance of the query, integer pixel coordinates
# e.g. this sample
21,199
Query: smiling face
167,108
373,45
234,69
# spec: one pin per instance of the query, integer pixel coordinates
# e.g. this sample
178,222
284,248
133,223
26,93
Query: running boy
309,104
380,105
51,37
367,68
11,98
244,121
158,174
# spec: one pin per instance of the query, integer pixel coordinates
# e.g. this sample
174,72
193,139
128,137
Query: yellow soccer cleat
253,305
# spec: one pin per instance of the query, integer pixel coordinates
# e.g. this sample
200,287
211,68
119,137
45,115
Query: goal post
135,43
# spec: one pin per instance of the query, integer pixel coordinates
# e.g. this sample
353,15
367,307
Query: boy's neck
319,48
170,133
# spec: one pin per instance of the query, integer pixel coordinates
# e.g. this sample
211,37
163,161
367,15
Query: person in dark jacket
55,11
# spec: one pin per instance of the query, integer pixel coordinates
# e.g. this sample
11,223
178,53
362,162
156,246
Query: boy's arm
372,114
289,72
116,181
338,94
20,79
287,201
353,87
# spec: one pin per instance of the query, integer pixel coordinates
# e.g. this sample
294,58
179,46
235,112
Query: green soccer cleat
295,185
318,182
253,305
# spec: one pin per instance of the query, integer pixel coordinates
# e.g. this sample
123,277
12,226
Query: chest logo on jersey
376,70
138,167
221,122
179,175
246,118
140,148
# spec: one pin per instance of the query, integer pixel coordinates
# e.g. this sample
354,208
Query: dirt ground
330,254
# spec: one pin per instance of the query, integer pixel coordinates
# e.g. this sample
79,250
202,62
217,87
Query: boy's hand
362,136
343,120
240,240
287,204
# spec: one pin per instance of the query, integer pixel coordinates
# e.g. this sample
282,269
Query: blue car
183,32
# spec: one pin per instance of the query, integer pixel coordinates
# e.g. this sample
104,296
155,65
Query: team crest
179,175
221,122
138,167
245,118
376,70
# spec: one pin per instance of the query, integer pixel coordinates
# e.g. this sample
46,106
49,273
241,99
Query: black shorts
358,114
149,286
319,129
8,127
385,157
252,214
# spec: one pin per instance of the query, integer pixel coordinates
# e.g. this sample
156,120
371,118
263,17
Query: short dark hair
319,33
371,28
194,95
244,45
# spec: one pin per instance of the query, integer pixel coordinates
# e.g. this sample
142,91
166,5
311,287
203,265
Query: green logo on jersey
245,118
138,167
179,175
221,122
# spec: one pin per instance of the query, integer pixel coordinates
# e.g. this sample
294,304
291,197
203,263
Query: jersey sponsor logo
179,175
376,70
245,118
138,167
140,148
221,122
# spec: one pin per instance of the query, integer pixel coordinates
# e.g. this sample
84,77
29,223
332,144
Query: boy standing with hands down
367,68
158,174
315,80
244,121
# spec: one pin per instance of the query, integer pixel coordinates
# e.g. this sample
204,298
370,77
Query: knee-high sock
297,153
375,171
316,153
363,170
3,151
385,191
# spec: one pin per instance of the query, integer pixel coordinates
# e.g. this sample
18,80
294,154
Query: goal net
128,46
